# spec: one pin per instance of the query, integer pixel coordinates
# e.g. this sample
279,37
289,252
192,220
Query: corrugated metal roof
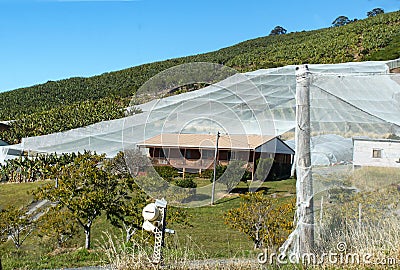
276,146
207,141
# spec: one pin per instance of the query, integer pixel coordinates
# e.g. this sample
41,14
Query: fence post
305,211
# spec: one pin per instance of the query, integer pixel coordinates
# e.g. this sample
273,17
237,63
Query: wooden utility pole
215,169
305,202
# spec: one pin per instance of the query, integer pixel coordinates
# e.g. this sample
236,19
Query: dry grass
135,255
380,241
122,255
375,178
366,219
378,238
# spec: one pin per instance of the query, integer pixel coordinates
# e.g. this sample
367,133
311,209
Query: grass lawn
212,237
17,194
207,237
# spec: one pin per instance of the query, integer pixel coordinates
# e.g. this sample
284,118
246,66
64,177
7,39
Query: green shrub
191,175
246,176
207,174
186,183
265,220
166,172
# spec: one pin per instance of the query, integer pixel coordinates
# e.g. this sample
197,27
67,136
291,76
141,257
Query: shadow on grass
243,190
197,197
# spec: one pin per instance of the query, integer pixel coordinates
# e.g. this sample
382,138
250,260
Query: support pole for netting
215,169
305,211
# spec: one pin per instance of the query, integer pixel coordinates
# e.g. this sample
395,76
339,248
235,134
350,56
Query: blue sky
43,40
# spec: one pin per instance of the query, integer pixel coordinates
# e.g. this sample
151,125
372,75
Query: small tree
340,21
128,216
85,189
15,224
58,224
266,221
374,12
278,30
126,213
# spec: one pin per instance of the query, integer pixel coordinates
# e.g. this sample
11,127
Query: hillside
42,106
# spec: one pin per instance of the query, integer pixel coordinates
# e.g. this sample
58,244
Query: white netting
329,149
265,95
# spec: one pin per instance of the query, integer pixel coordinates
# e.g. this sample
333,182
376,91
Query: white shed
376,152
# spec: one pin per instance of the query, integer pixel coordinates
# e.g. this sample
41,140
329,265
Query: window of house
224,155
207,154
192,154
159,153
377,153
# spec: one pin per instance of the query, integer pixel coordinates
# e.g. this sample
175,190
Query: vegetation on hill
64,118
374,38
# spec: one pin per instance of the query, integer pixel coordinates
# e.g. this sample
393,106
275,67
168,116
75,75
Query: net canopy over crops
350,99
